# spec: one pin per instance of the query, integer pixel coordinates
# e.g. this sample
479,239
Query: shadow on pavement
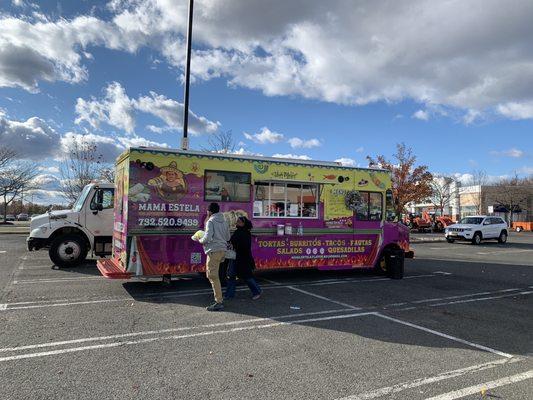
275,301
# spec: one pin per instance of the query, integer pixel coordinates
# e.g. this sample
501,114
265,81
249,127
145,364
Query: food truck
305,214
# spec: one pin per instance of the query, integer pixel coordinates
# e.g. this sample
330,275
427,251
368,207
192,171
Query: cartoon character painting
170,185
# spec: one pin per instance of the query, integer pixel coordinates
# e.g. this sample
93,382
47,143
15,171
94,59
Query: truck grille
456,229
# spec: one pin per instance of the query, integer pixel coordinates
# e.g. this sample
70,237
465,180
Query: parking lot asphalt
459,325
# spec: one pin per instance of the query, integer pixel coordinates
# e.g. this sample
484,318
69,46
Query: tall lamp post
185,139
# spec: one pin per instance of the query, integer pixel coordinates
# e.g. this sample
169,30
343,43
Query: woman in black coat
243,264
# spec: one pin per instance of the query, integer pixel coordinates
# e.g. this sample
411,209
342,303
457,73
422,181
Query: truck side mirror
99,199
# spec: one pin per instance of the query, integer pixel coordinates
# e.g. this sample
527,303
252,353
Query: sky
337,80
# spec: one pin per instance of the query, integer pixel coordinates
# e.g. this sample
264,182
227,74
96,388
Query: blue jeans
232,282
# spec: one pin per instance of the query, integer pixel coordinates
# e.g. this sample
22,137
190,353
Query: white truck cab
70,234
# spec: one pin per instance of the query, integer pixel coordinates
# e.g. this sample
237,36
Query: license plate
454,233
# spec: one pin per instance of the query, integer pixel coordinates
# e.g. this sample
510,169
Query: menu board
334,206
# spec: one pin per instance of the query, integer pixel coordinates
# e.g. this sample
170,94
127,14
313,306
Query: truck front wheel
68,250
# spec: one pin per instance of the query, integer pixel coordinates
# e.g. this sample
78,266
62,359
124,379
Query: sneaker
215,307
256,296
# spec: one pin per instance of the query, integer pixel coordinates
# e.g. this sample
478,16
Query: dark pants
232,282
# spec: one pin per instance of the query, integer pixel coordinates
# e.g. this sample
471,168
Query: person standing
215,242
243,264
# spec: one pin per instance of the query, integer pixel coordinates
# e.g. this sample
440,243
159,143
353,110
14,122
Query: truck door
100,222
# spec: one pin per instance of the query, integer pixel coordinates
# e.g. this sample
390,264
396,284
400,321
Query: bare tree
107,174
444,190
6,156
479,178
511,194
80,166
410,183
221,142
16,177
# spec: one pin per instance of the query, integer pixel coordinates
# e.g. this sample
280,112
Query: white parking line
390,390
463,295
503,251
349,306
498,262
176,337
525,293
169,330
3,251
176,294
55,280
444,335
508,380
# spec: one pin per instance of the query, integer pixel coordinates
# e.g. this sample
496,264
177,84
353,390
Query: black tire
68,250
476,239
380,268
439,227
503,237
395,264
450,240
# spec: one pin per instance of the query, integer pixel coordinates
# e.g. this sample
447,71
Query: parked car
23,217
10,217
477,228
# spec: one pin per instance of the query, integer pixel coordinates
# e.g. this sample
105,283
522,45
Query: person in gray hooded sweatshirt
215,242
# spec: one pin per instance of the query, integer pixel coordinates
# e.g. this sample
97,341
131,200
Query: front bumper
465,235
33,243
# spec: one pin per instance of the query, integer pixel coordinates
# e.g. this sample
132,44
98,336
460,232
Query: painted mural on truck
298,211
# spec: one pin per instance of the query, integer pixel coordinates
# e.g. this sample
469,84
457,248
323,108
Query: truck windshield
83,195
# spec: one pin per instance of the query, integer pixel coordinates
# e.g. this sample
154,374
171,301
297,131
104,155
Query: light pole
185,139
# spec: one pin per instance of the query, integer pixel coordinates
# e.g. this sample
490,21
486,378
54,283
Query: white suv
477,228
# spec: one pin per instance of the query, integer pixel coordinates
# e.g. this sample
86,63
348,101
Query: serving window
226,186
370,207
285,200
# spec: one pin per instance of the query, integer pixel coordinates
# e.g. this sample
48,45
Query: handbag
230,253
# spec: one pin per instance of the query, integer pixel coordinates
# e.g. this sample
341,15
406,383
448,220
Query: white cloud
514,153
297,143
34,139
118,110
47,182
31,139
293,156
115,109
333,52
245,152
347,162
139,141
421,115
171,112
45,50
516,110
49,170
264,136
472,116
159,129
526,170
106,147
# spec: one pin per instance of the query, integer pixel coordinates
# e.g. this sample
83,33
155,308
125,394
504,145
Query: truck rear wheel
68,251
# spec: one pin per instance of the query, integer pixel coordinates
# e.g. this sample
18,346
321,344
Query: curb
427,240
14,233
